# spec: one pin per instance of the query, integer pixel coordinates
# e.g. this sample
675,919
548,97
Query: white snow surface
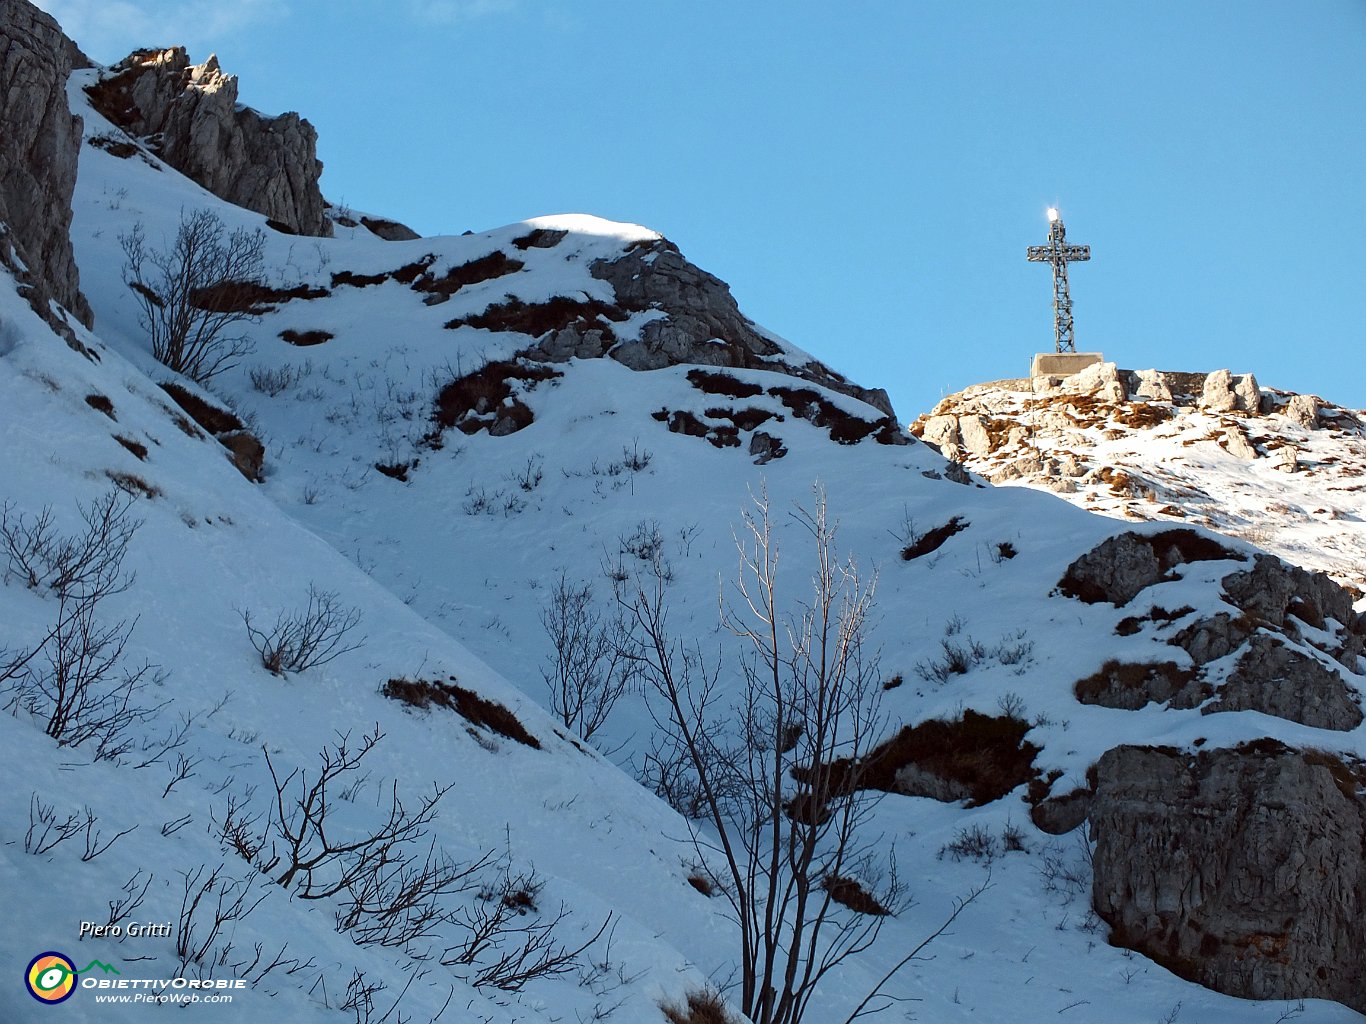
450,571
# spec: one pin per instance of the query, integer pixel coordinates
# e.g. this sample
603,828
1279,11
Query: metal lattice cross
1059,253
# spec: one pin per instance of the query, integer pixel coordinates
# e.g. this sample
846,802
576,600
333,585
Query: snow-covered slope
1286,472
446,538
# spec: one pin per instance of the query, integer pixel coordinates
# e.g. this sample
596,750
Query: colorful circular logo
51,977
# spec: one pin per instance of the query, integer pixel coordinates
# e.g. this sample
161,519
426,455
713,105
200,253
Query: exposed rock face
1242,870
39,148
1236,442
1224,392
1276,679
1304,410
1118,569
1129,687
1276,675
190,116
1273,590
703,322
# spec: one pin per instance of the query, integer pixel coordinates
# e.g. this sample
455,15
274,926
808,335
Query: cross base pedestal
1062,364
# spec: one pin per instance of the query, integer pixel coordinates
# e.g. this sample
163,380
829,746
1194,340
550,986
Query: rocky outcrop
1120,568
1136,444
1277,679
389,230
1239,869
39,148
1273,591
1304,410
1275,673
1223,392
189,115
703,324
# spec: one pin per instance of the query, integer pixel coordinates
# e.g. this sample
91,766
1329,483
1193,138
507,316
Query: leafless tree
776,773
588,670
195,296
301,640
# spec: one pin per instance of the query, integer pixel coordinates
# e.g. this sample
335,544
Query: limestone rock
1287,459
1059,815
389,230
1304,410
941,430
1211,638
1151,385
1218,395
40,144
1119,568
1129,686
1026,467
976,439
1272,590
1236,442
1276,679
190,116
1242,870
704,325
1095,379
1247,395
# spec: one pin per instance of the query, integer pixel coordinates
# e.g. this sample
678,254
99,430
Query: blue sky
867,175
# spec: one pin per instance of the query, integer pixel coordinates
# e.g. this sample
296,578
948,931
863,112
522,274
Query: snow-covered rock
1285,471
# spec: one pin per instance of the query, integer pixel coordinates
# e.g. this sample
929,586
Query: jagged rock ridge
190,116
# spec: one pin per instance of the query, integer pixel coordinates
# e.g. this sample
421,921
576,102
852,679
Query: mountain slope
463,436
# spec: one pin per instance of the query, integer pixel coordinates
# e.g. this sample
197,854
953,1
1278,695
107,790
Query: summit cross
1059,253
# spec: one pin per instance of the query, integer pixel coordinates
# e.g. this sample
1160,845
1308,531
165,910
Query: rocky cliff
189,115
1282,470
1241,869
39,147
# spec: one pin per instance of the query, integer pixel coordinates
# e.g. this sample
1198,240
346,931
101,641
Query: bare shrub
45,829
190,335
301,640
91,561
508,942
273,381
701,1007
974,842
961,653
207,906
305,853
588,670
779,818
74,678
